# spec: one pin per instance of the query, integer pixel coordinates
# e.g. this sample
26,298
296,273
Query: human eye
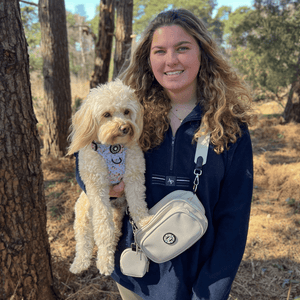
182,48
159,51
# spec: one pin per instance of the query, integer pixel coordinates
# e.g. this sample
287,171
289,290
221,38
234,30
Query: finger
114,194
119,187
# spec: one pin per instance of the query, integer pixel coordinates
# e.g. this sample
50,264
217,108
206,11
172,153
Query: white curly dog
106,131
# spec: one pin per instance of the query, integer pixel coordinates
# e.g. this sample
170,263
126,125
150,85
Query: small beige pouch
134,263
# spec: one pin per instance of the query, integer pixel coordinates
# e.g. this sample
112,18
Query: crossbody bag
178,222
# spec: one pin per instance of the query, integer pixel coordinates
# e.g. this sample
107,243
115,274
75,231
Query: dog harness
114,156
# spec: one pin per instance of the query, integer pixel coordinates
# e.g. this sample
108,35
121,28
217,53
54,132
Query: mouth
173,73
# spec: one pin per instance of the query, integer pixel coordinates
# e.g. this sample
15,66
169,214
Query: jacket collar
195,115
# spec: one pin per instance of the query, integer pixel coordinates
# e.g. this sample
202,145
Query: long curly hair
224,98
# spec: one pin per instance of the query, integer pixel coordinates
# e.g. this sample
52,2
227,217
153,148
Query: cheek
155,65
194,64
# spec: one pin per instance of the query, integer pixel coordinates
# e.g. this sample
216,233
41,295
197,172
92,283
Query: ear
83,129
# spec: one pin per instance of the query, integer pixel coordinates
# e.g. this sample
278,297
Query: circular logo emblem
115,149
169,238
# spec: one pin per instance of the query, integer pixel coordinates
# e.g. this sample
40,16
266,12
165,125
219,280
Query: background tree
145,10
123,34
292,110
56,73
269,40
25,269
32,29
80,40
81,46
104,43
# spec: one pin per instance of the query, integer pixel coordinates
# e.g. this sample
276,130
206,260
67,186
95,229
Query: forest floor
270,269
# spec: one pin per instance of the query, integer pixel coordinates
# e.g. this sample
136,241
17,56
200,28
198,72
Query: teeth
174,73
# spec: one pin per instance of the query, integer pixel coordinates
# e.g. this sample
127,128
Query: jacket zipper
172,153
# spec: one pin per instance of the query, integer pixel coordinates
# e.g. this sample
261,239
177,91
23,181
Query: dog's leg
94,173
83,235
135,186
137,205
104,229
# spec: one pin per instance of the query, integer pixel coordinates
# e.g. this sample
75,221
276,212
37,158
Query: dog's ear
83,129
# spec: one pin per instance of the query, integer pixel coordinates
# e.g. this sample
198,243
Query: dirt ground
271,264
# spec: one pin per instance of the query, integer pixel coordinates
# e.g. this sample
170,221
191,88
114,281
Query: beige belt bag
179,222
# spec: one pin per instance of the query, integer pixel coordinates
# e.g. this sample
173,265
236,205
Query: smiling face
175,60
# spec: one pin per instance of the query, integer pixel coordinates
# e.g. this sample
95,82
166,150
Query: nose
171,58
124,129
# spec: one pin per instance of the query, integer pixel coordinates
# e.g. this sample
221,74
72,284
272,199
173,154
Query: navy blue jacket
207,269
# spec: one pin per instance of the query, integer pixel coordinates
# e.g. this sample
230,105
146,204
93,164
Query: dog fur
110,115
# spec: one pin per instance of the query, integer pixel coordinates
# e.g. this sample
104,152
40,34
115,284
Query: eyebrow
176,45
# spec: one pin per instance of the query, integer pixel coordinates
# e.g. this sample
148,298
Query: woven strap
200,158
202,148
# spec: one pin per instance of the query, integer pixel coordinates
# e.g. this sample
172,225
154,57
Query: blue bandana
114,156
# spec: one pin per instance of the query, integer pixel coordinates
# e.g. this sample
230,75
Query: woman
182,81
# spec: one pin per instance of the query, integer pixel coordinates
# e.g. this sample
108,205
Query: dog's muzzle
126,129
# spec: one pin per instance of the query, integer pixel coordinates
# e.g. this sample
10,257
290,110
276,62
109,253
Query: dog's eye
106,115
126,112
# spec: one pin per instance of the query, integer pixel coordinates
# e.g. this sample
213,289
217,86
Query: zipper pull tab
199,164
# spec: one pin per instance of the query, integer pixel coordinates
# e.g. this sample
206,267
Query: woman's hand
117,190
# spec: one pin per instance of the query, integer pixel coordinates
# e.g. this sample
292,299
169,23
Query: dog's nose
124,129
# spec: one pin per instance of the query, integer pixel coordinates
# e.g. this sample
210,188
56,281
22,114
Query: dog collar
114,156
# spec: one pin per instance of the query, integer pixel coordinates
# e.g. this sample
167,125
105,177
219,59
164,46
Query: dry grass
271,264
79,88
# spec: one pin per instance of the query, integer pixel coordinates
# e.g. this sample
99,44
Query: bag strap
200,158
202,148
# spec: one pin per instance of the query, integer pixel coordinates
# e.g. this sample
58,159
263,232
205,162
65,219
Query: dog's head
109,115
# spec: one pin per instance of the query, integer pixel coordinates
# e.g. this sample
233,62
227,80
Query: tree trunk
25,269
123,34
292,110
54,45
104,43
83,64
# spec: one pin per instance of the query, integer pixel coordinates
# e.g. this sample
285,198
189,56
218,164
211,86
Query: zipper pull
172,153
197,173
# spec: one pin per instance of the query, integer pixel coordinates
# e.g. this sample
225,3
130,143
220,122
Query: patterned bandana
114,156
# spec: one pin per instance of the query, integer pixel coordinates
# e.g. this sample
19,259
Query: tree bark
104,43
25,269
54,46
123,34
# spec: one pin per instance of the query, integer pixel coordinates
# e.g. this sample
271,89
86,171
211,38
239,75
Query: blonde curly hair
224,98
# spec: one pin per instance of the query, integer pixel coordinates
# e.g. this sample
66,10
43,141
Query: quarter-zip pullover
207,269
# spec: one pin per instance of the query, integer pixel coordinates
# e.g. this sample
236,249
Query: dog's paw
79,266
143,222
105,267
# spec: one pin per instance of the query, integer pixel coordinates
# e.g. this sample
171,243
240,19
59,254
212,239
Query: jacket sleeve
230,220
78,178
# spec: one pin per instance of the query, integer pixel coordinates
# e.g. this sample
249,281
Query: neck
183,97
